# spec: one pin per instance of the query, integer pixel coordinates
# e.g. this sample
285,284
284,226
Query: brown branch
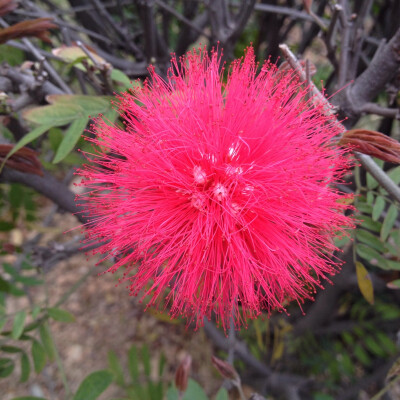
370,83
279,383
49,186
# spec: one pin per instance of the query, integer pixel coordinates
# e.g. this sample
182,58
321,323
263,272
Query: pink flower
218,196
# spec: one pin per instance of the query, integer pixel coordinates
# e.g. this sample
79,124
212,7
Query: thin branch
344,47
290,12
358,37
49,187
369,164
182,18
372,108
24,78
124,35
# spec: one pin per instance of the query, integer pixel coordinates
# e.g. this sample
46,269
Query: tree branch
287,383
49,187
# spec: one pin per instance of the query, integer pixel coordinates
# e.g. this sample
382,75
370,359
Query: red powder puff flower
218,196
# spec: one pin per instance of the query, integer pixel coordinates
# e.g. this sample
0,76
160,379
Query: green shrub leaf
60,315
93,385
18,324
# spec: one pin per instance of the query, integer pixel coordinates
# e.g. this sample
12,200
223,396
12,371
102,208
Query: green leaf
71,54
28,398
11,349
54,114
4,286
18,324
71,137
47,340
362,355
29,137
39,356
119,76
146,360
116,368
389,221
28,280
92,105
364,282
153,390
371,345
194,392
3,320
386,342
60,315
371,182
368,223
14,57
172,393
378,207
346,364
36,311
55,136
161,364
110,116
370,239
370,198
395,265
222,394
364,207
15,291
133,364
394,174
93,385
25,367
6,367
371,256
6,226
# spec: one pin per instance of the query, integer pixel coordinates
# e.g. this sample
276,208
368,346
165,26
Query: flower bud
225,369
182,373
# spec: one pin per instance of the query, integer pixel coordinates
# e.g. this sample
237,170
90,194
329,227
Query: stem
60,366
386,388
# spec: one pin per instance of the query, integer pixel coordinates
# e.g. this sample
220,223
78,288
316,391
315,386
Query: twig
240,349
330,37
117,29
182,18
20,78
369,164
358,38
344,48
231,351
290,12
372,108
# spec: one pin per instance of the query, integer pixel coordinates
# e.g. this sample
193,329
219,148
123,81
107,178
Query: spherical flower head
219,194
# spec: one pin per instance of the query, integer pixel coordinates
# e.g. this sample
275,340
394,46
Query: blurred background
65,332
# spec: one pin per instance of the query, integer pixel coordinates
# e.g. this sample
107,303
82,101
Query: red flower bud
182,373
372,143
